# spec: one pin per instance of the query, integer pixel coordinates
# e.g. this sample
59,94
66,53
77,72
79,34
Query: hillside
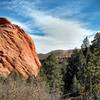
57,53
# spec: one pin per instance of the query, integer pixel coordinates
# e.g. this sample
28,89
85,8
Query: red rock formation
4,21
17,51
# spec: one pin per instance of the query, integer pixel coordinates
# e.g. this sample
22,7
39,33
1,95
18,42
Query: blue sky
54,24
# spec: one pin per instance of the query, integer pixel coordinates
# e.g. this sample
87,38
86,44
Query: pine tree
76,85
90,69
84,72
52,73
96,60
71,72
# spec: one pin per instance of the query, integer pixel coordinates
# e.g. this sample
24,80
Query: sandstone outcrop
17,51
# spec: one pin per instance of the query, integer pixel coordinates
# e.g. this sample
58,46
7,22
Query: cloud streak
61,33
64,34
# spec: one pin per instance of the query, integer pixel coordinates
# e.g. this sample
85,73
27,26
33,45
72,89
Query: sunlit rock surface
17,51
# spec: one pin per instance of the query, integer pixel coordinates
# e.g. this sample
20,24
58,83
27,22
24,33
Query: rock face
17,51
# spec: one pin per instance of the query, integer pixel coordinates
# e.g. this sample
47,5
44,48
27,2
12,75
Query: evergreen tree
89,70
84,73
96,60
52,73
76,85
85,43
71,71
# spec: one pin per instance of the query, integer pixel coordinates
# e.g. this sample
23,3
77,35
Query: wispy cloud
66,34
61,33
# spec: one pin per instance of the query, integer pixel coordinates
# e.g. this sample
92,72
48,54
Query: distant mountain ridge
57,53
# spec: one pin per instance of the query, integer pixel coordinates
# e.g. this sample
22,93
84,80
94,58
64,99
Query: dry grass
16,88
